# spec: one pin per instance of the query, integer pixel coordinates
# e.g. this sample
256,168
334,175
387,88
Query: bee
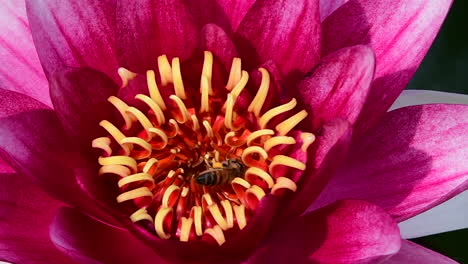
229,170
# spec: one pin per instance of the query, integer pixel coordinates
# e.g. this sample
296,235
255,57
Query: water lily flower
179,131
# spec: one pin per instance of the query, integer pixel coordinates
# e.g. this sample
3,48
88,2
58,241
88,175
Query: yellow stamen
149,164
195,123
165,70
251,151
285,161
126,76
287,125
119,160
208,70
235,74
154,90
217,233
135,178
205,107
270,114
260,97
261,174
197,217
154,107
133,194
307,140
186,225
283,183
239,211
159,222
185,116
177,79
122,107
229,112
144,121
140,214
209,130
170,191
217,216
258,134
102,143
228,212
119,170
161,134
278,140
254,192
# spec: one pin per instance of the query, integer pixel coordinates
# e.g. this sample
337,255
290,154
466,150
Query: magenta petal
80,99
88,241
5,168
339,85
19,57
286,31
25,215
328,152
149,28
415,254
413,160
35,145
399,31
214,39
12,103
346,232
74,34
328,6
225,13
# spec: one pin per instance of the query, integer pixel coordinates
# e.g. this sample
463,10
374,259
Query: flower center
197,164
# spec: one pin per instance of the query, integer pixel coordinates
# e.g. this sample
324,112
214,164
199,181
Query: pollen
195,164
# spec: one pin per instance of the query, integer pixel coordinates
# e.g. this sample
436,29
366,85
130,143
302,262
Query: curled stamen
235,74
177,79
157,111
287,125
154,90
270,114
140,215
165,70
184,114
259,134
133,194
208,69
259,100
126,76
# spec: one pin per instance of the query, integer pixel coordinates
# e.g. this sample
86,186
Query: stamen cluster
173,157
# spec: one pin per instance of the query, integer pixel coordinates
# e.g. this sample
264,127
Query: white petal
449,216
418,97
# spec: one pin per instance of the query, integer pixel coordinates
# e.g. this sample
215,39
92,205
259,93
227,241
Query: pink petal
326,154
35,145
25,215
74,34
214,39
413,160
286,31
149,28
19,57
399,31
12,103
5,168
339,85
80,98
88,241
346,232
225,13
329,6
415,254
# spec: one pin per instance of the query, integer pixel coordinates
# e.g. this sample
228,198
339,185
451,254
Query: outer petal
214,39
347,231
448,216
329,6
19,57
35,145
25,215
419,97
149,28
413,160
399,31
99,243
286,31
74,34
5,168
80,98
339,85
415,254
12,103
224,13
